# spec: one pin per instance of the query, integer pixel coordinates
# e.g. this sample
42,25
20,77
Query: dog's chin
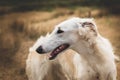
58,50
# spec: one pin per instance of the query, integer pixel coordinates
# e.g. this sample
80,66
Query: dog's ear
87,24
87,29
90,25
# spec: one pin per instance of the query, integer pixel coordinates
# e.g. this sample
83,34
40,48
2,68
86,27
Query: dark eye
60,31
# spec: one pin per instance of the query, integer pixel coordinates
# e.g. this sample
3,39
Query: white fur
95,60
38,66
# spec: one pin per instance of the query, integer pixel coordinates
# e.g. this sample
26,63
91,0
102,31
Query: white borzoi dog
39,67
95,60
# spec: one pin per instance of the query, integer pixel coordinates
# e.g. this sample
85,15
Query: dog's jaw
58,50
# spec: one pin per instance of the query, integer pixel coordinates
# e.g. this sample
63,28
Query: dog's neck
96,50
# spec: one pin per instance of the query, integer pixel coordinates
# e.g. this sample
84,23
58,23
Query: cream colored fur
94,59
38,67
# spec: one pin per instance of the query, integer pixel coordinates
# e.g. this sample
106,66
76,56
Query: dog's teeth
57,50
60,47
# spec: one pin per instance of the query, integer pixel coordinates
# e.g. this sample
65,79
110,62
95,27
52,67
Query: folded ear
87,29
87,24
91,26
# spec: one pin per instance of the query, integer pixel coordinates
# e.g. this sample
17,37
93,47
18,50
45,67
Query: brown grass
18,31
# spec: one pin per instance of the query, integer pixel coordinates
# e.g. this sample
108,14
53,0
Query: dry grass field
19,30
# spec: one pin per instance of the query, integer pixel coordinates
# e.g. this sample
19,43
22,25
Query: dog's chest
91,74
94,73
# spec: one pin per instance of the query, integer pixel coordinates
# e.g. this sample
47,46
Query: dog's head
66,35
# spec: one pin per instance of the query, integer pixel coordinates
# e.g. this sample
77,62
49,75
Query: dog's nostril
39,49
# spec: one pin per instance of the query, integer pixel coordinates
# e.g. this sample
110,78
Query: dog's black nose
39,49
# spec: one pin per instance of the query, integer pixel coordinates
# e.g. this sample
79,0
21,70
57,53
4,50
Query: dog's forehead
68,24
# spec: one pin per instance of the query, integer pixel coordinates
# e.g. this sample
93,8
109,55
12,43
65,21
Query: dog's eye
60,31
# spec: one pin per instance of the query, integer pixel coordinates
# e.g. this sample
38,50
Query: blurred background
23,21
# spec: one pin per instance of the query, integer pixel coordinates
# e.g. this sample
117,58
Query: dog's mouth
58,50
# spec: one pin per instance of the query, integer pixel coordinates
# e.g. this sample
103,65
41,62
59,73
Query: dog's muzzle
55,52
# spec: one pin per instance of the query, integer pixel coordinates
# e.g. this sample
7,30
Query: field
20,29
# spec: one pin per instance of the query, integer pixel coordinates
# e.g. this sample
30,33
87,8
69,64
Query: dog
39,67
96,58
